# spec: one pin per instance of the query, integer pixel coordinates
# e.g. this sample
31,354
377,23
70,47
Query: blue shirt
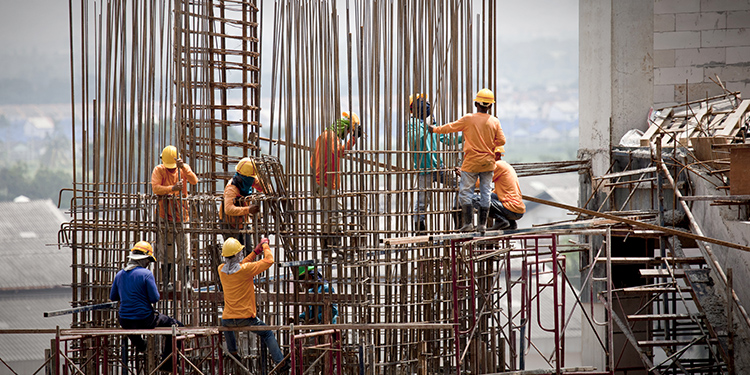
334,307
136,291
420,139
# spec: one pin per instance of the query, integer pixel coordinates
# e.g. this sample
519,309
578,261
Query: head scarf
244,183
232,264
340,127
421,108
133,263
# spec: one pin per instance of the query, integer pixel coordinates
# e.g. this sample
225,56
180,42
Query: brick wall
698,39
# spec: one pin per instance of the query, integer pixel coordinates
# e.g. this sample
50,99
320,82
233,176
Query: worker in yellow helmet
234,211
135,288
426,160
236,275
326,162
482,133
169,182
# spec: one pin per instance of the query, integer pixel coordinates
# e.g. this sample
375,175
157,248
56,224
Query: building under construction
658,229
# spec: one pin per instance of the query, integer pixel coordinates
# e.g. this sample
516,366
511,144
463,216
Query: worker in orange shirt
326,162
169,183
506,203
482,133
234,213
236,275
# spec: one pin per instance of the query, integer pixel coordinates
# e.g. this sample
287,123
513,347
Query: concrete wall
694,40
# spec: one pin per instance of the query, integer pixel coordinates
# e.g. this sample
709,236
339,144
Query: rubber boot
467,211
482,216
500,223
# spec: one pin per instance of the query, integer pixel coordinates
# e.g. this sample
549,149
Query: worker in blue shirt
135,288
314,283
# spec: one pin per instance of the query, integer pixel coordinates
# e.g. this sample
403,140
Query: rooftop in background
29,256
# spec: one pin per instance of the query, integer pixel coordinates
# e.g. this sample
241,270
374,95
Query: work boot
482,216
500,223
420,227
512,225
467,211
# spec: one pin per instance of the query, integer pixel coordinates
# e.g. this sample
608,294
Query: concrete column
616,45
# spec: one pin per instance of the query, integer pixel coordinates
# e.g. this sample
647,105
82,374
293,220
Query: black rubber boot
500,223
482,216
467,211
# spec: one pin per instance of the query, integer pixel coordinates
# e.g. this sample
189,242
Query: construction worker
506,203
314,283
236,275
326,162
482,133
169,183
135,288
234,213
428,163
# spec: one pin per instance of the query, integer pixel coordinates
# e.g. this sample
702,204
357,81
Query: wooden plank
693,127
654,127
627,173
734,119
661,272
716,198
739,179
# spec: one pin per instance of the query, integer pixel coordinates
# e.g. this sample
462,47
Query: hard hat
414,97
142,250
305,269
500,149
246,167
231,247
485,96
354,118
168,156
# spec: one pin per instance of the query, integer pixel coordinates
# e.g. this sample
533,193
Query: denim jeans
155,320
497,209
466,190
267,336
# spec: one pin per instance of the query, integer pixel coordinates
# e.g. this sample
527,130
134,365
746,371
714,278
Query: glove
254,209
259,248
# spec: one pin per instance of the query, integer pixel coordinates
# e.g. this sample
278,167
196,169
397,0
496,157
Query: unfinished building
188,73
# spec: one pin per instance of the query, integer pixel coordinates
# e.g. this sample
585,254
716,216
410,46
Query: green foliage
45,183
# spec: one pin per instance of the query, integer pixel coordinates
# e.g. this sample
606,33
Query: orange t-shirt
162,180
482,133
506,187
239,289
329,150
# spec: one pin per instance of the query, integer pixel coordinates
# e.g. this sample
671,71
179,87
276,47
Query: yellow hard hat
231,247
416,96
142,250
168,156
354,118
246,167
500,149
485,96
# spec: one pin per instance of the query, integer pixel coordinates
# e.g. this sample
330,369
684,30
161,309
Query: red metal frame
333,342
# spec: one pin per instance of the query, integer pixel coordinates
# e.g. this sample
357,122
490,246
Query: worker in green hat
314,283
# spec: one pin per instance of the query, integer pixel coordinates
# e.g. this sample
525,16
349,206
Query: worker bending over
234,213
426,160
236,276
314,283
506,203
169,182
135,288
482,133
326,163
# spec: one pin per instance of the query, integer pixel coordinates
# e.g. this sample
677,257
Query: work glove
259,248
254,209
431,128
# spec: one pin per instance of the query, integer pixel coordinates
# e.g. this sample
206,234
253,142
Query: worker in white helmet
482,133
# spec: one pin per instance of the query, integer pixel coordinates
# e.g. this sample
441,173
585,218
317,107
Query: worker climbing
482,133
426,160
135,288
326,163
236,275
234,213
169,182
314,283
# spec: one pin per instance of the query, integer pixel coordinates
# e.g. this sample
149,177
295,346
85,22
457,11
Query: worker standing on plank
169,183
482,133
326,162
236,276
314,283
135,288
234,213
506,204
426,160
